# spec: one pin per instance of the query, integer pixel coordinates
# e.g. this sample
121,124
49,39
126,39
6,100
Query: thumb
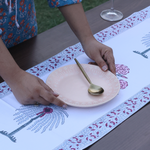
101,63
55,94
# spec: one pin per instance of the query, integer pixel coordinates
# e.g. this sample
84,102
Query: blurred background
49,17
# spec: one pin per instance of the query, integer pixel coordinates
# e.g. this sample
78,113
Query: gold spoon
93,89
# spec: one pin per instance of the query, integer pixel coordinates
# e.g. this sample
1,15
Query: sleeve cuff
59,3
1,31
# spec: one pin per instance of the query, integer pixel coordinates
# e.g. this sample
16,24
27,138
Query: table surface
132,134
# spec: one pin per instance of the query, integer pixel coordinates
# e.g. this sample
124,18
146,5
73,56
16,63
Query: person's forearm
8,66
100,53
75,16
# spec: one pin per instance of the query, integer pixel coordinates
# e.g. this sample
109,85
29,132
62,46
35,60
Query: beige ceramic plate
72,86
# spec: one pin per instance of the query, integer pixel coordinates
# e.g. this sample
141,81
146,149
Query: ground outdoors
49,17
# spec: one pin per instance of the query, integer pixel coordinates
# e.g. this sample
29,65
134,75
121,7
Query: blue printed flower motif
146,41
45,116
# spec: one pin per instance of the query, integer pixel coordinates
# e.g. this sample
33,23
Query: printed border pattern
108,122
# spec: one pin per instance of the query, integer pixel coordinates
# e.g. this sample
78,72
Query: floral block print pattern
108,122
146,42
121,71
39,118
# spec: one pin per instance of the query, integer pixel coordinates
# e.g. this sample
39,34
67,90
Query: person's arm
27,88
100,53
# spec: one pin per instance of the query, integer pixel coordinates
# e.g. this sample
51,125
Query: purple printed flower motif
123,84
121,69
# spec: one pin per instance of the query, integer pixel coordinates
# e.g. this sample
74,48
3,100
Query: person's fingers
112,67
48,88
101,63
41,100
101,54
108,57
34,101
49,97
28,102
92,63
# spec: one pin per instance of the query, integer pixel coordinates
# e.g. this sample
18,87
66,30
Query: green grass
49,17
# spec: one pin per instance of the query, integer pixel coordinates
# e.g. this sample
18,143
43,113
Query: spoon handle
84,73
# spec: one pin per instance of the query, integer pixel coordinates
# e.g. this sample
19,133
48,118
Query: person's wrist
14,76
86,40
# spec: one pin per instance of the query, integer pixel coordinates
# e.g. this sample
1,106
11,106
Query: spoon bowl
93,89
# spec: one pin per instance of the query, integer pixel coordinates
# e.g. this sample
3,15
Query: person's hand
101,54
29,89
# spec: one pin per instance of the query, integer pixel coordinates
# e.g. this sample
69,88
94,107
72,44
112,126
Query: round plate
72,86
